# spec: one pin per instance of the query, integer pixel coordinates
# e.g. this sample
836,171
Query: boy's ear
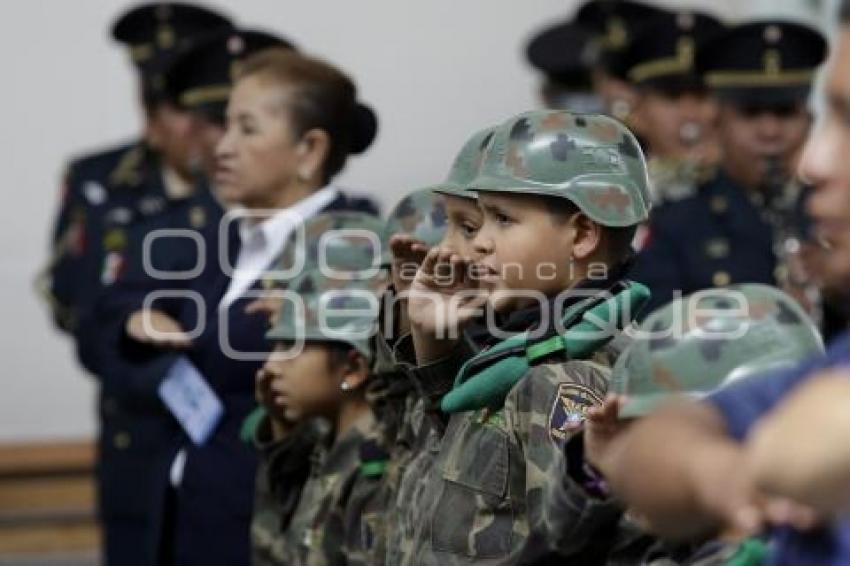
356,370
587,236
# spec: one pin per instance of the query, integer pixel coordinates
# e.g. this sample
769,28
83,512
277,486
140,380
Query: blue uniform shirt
742,405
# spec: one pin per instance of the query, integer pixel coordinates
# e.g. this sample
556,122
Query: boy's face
825,165
306,385
464,221
522,249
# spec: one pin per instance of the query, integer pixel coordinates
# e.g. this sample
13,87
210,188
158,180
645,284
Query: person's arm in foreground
800,450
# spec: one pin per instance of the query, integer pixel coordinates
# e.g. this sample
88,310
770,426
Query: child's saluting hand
444,296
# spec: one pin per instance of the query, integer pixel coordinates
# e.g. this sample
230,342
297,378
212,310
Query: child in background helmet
339,244
695,346
320,461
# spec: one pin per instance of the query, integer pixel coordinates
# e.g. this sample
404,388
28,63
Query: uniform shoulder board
674,181
128,170
100,163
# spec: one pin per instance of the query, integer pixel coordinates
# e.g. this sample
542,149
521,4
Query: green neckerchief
485,380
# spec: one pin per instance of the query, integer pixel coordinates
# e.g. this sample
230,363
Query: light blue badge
191,400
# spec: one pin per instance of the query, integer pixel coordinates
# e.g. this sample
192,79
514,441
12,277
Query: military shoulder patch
569,409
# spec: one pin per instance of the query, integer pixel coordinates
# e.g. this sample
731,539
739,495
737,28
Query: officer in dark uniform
104,192
585,54
674,115
731,230
107,196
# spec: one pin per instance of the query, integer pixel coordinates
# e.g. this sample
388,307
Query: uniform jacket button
721,279
121,440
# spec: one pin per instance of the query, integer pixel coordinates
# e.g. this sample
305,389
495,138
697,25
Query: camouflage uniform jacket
404,428
324,528
274,508
483,497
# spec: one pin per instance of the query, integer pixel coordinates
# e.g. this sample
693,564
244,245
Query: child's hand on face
408,254
444,295
601,428
268,395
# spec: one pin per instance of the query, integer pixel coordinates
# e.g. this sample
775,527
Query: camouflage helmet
592,160
466,165
697,344
319,307
341,241
421,214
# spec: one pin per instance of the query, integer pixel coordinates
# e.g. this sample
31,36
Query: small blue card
191,400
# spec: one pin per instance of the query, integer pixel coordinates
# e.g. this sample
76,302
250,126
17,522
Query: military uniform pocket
473,516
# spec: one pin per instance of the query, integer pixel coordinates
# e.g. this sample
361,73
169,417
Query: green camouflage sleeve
387,393
362,518
282,471
543,412
434,380
329,527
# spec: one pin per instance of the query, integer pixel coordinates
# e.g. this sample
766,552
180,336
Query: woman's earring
345,386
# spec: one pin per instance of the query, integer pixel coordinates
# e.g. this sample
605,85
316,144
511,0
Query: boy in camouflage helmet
695,346
561,195
320,476
415,225
413,449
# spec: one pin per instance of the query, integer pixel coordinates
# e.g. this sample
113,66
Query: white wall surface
435,70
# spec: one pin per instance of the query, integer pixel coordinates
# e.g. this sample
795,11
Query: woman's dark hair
844,12
325,98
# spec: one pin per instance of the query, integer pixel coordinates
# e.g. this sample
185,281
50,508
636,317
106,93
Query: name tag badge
191,400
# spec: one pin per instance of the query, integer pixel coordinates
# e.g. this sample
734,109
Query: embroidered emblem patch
569,409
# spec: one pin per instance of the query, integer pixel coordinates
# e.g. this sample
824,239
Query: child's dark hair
338,353
617,242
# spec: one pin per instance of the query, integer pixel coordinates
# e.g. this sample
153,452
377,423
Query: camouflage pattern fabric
322,529
325,307
404,431
702,342
591,160
273,506
466,165
341,241
421,214
484,497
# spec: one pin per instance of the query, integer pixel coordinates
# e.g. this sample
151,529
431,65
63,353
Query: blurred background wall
435,70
